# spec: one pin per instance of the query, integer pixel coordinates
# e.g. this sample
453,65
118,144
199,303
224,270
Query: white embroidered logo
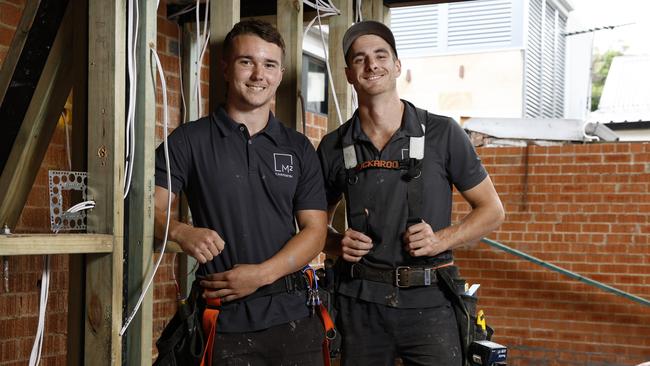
283,165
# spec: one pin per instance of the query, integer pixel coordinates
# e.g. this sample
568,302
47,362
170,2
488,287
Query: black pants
296,343
375,334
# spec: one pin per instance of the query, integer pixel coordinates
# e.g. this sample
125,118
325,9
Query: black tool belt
290,283
402,276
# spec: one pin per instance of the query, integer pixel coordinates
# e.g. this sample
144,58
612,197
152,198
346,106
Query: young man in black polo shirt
248,179
395,165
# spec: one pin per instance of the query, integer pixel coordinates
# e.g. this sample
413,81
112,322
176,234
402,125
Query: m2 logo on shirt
283,165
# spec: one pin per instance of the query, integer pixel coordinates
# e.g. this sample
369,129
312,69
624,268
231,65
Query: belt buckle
402,277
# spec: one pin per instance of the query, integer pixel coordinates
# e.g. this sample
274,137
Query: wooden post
223,16
290,25
337,27
79,147
140,199
38,126
188,57
106,123
373,10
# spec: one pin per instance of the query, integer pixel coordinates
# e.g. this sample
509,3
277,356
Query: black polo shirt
247,189
449,160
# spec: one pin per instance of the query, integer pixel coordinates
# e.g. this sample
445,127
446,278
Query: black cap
368,27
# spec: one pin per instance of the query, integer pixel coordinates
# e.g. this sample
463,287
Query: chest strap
411,165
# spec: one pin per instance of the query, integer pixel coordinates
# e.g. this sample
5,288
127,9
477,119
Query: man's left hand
242,280
420,241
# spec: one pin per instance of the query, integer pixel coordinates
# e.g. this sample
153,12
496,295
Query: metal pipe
566,272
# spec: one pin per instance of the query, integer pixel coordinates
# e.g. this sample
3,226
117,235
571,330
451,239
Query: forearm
296,253
478,223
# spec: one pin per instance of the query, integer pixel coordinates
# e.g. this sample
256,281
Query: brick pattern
19,307
315,127
585,208
582,207
10,12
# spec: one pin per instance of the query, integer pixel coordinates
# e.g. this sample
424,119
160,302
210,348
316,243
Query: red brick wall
585,208
19,307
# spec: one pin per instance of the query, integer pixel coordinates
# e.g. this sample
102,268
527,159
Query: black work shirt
247,189
449,159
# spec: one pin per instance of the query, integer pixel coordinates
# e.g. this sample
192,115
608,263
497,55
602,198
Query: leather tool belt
401,276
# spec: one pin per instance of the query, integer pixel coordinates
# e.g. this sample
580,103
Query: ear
398,66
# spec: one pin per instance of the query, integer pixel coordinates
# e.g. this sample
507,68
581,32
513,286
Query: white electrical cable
161,74
37,347
132,41
35,356
185,10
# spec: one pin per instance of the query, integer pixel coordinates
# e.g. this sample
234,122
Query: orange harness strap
325,318
209,322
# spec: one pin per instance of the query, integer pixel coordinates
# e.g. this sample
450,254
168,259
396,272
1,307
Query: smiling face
372,68
253,71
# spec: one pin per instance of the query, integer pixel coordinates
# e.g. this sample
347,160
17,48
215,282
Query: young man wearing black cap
396,164
248,180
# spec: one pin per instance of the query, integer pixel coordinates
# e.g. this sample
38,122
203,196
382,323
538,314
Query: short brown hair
256,27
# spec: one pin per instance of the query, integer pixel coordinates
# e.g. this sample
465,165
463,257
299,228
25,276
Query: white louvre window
545,57
468,26
484,23
415,29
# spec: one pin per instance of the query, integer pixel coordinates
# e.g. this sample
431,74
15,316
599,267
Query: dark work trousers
375,334
296,343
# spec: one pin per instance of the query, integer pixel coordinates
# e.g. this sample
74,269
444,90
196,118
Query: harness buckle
402,276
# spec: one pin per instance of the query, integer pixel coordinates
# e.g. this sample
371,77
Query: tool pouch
182,340
464,308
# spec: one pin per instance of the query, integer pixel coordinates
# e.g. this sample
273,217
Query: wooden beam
140,202
373,10
79,147
37,244
38,126
337,27
188,56
188,64
17,44
290,26
223,16
106,123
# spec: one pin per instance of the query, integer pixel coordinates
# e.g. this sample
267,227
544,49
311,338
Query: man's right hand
201,243
355,245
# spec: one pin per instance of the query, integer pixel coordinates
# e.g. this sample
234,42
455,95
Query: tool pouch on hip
464,308
182,341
